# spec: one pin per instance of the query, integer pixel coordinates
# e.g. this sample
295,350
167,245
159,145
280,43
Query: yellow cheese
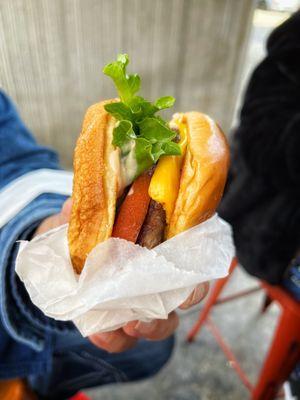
165,181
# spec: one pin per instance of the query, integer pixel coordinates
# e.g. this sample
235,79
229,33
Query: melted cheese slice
164,185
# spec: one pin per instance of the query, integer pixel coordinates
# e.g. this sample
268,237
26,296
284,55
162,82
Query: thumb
65,213
56,220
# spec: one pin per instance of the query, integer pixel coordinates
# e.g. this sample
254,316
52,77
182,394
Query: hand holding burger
143,180
125,338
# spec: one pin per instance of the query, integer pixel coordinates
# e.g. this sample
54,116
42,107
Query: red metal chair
284,351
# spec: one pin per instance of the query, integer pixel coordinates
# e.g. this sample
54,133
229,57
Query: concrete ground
200,371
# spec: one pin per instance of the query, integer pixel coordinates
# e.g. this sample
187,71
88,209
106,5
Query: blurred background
201,52
52,54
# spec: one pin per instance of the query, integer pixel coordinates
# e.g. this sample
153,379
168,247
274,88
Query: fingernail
197,295
144,328
194,297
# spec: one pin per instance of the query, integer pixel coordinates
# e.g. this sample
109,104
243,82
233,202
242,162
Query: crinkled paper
122,281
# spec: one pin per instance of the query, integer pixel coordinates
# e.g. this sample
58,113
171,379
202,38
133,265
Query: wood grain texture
53,51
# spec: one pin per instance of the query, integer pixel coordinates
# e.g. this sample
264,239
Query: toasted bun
95,185
203,174
96,177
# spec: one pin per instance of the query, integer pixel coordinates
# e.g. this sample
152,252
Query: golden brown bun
203,174
95,185
96,176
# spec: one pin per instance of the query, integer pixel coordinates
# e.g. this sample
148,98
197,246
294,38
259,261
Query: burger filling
144,140
164,185
157,201
153,229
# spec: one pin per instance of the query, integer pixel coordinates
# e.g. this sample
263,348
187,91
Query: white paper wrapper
122,281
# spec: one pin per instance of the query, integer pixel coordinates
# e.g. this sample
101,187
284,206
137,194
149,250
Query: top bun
203,174
97,174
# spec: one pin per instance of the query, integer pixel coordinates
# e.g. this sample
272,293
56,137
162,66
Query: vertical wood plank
53,51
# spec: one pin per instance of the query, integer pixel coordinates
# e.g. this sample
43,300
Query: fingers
49,223
65,213
160,329
126,338
55,220
196,296
157,329
113,342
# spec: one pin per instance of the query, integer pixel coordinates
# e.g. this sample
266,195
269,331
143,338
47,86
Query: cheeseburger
139,178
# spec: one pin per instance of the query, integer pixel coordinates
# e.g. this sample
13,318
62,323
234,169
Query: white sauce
114,160
129,165
125,168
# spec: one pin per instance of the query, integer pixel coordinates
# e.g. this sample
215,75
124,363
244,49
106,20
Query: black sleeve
263,197
268,136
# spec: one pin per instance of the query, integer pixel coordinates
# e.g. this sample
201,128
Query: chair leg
283,355
213,296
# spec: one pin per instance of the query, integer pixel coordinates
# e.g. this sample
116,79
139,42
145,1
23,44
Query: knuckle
122,345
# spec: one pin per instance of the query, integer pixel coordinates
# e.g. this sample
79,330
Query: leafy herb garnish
141,135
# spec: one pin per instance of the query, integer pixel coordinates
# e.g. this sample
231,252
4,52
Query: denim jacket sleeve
21,323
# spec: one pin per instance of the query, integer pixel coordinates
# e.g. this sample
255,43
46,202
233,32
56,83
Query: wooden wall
52,53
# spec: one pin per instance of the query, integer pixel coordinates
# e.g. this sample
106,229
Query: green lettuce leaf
171,148
144,155
142,136
123,136
164,102
155,130
119,110
127,85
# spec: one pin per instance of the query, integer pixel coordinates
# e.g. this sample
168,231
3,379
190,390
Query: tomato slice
133,210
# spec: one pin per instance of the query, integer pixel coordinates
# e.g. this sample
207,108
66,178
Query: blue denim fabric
292,279
51,354
19,152
78,364
25,333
